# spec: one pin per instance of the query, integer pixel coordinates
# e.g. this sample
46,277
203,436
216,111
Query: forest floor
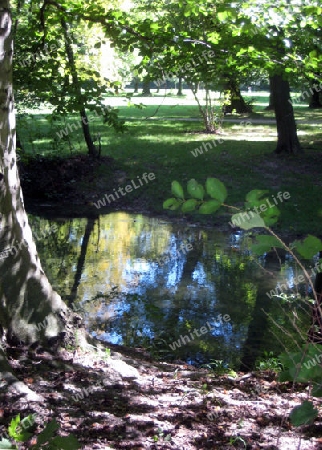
125,400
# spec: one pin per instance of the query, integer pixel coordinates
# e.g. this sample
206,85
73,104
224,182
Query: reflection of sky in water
161,287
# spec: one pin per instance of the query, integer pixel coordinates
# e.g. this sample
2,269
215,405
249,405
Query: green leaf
303,414
66,443
271,215
5,444
189,205
216,189
209,207
255,198
247,220
195,189
177,190
12,429
264,244
171,203
309,247
48,432
222,16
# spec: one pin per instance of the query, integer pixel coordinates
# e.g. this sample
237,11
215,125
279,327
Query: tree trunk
77,89
30,310
237,102
315,101
146,86
180,93
287,140
136,86
271,104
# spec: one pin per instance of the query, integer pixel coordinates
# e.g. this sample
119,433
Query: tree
30,310
55,65
287,140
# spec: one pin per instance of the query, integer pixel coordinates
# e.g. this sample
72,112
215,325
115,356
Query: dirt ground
126,401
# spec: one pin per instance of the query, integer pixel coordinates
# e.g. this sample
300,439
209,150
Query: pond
182,292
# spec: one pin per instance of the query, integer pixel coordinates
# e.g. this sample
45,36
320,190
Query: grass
244,161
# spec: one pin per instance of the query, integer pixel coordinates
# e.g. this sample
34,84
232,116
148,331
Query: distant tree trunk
237,102
180,93
77,89
136,85
287,140
146,86
315,101
271,104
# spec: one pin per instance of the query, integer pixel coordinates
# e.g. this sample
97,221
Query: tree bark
287,140
30,310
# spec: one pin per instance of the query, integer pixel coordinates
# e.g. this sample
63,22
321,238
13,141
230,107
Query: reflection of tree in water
81,259
56,250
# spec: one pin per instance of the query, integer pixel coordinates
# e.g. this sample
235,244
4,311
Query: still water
182,292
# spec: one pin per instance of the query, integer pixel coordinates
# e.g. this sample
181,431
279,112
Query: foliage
214,188
269,362
19,431
298,366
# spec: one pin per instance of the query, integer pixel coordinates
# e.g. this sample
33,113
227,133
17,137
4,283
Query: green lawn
244,160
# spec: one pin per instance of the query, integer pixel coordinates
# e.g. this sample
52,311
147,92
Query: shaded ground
125,401
73,186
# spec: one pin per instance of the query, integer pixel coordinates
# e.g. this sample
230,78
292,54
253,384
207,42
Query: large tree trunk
287,140
30,310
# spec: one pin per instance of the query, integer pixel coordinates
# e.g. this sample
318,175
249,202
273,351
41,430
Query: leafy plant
19,431
270,362
162,435
298,366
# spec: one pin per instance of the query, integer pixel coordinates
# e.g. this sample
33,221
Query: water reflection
142,281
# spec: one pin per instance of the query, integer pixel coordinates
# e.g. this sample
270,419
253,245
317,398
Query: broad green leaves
247,220
177,189
265,243
309,247
210,207
45,440
214,188
259,213
303,414
195,190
